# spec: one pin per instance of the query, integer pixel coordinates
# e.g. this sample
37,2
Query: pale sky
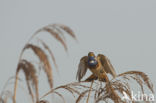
124,31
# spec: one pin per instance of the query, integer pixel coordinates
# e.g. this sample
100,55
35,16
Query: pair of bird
99,66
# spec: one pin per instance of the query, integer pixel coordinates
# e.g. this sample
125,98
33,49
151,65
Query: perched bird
99,66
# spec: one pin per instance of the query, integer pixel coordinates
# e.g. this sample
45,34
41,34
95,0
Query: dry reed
111,90
28,68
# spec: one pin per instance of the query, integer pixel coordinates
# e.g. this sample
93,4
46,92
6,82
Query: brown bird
99,66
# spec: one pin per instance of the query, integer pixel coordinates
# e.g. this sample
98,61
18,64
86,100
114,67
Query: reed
111,90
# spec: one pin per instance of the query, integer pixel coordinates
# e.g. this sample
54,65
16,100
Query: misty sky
124,31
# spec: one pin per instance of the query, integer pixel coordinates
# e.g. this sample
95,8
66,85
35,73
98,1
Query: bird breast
98,70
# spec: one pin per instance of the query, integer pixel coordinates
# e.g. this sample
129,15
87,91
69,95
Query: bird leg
91,78
103,77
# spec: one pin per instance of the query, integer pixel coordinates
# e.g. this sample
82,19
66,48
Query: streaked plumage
99,66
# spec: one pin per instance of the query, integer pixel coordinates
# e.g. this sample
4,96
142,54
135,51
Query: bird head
92,59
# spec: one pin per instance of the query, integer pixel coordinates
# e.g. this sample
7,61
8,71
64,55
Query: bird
99,66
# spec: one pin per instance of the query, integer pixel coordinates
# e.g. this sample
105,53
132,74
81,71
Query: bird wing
82,68
107,65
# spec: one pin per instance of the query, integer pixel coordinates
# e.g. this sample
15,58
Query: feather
82,68
107,65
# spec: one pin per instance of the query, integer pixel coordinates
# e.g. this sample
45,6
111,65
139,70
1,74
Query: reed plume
55,30
112,90
95,91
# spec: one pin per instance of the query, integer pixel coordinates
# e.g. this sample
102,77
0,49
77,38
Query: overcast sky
124,31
